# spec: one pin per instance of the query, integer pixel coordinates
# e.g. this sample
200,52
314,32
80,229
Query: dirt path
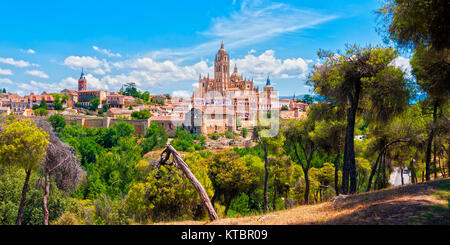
424,203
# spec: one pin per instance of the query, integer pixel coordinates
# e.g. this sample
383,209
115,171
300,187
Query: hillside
423,203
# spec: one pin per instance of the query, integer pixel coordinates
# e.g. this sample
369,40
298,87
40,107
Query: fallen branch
185,168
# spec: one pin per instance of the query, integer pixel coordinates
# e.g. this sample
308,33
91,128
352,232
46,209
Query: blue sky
163,46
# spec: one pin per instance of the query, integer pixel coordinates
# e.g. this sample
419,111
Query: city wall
140,126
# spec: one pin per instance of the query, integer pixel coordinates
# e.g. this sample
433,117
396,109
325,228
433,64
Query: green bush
244,132
57,121
213,136
229,134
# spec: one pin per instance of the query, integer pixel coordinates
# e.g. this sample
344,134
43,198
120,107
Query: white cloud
260,66
5,72
5,81
17,63
69,82
35,87
149,72
106,52
251,51
28,51
182,93
37,73
254,22
97,66
403,64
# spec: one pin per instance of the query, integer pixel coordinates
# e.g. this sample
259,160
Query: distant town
226,102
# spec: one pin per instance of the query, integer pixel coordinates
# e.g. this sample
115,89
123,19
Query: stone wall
140,126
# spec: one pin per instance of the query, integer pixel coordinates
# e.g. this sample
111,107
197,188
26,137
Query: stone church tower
82,82
222,70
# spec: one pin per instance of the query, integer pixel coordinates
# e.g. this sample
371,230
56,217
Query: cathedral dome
235,74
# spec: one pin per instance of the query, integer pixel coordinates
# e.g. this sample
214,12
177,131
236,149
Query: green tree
114,170
22,143
131,90
430,67
269,145
183,140
156,137
115,132
230,176
422,25
43,104
95,102
40,112
57,121
142,114
360,81
282,169
329,132
145,96
164,193
411,23
105,107
57,104
301,146
308,99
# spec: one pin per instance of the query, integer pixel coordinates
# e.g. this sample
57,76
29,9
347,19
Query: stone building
119,101
85,96
228,101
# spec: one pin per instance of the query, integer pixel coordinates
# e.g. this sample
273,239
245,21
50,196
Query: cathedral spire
221,46
82,73
268,81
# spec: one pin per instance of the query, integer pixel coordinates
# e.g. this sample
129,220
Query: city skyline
163,48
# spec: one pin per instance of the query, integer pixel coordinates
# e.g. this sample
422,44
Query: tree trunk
401,176
448,165
434,162
441,168
306,187
45,199
349,173
413,172
286,200
213,199
429,144
373,171
198,186
266,180
274,193
336,173
378,172
383,171
24,196
374,167
227,207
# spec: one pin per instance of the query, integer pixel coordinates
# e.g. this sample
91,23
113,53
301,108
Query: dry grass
424,203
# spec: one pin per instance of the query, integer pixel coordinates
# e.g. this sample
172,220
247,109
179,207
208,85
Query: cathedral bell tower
222,70
82,82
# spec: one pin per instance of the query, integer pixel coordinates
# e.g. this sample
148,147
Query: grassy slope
423,203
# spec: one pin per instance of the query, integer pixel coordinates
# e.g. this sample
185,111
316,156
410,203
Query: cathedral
228,102
223,82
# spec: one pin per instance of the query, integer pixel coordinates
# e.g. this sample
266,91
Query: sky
163,46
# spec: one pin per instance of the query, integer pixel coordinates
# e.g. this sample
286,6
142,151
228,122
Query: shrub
57,121
213,136
229,134
244,132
